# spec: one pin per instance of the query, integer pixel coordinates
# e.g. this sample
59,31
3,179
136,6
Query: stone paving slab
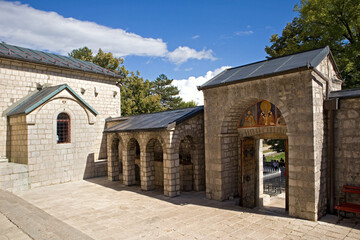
22,220
108,210
9,230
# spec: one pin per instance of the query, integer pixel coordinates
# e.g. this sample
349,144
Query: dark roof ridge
300,61
52,59
142,114
272,58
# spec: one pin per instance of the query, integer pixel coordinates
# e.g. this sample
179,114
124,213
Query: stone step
3,160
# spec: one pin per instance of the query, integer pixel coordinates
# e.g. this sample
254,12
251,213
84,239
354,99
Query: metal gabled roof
42,96
308,59
30,55
154,121
348,93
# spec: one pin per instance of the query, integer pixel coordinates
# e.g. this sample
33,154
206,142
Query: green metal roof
42,96
29,55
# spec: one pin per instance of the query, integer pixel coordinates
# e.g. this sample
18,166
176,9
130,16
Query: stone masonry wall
50,162
18,139
347,149
14,177
170,142
299,101
18,79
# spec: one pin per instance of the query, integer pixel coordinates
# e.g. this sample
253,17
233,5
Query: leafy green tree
277,145
324,22
169,94
189,104
105,60
136,97
84,54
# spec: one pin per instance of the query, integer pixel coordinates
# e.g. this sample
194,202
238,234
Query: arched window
63,128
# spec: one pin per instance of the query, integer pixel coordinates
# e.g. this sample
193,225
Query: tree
277,145
324,22
105,60
84,54
168,93
189,104
136,97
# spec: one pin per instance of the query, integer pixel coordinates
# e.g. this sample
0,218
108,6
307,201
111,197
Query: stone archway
131,165
115,165
155,162
191,164
260,120
235,130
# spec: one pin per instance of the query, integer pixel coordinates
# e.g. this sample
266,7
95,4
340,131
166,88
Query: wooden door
248,173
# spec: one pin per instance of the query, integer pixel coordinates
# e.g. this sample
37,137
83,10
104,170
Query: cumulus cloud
195,37
182,54
188,87
23,25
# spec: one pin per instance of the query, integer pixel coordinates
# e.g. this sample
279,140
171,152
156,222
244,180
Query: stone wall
299,97
347,149
19,79
14,177
18,132
159,173
51,162
151,144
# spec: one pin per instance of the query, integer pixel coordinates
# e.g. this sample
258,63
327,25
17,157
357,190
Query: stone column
171,168
147,180
260,172
128,167
112,159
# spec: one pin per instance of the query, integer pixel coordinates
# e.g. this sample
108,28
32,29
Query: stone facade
347,150
31,139
299,96
122,152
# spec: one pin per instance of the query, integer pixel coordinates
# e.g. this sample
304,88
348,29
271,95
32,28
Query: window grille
63,128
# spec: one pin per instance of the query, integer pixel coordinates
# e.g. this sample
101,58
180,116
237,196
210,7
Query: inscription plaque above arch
261,114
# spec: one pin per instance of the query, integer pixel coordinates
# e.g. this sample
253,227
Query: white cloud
23,25
195,37
188,87
244,33
182,54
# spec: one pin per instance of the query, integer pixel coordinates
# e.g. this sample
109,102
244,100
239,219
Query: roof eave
304,68
136,130
57,66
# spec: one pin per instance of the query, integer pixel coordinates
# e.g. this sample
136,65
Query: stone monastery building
60,121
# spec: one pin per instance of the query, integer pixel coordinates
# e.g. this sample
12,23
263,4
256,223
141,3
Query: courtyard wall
347,149
299,96
20,79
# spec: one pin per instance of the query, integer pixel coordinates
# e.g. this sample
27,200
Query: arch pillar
114,153
171,167
129,163
147,180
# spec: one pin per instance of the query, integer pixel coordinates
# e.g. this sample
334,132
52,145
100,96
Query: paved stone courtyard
101,209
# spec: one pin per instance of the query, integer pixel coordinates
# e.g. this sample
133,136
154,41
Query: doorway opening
273,168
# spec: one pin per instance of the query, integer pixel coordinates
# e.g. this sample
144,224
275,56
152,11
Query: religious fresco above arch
261,114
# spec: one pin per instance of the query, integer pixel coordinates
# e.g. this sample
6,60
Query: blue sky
189,41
